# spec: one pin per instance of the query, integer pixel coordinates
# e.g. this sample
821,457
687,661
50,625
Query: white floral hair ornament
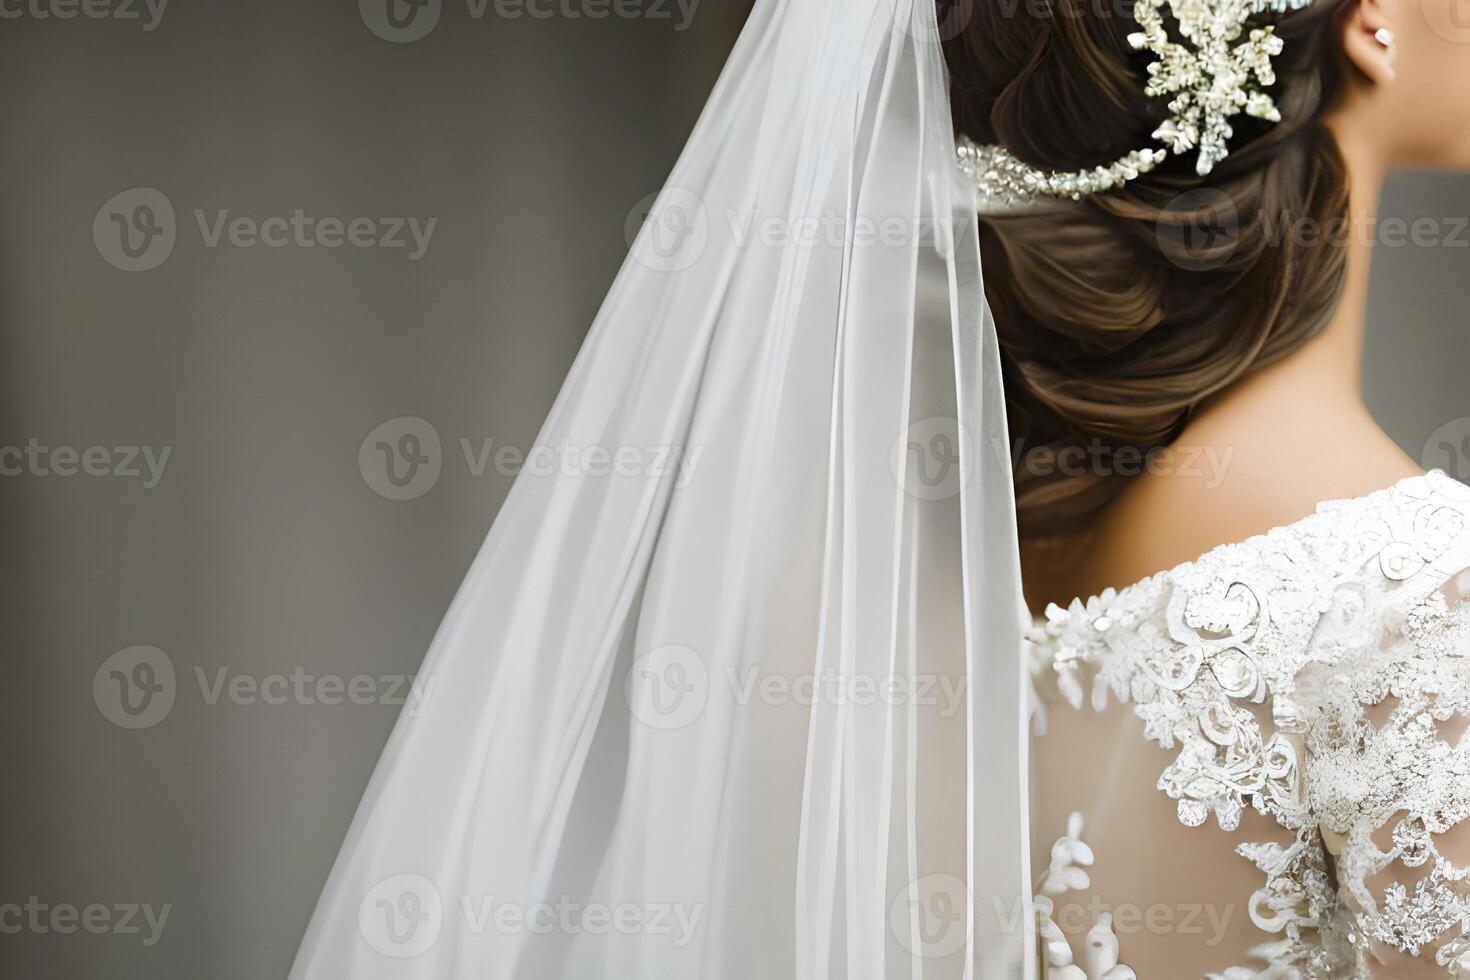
1220,69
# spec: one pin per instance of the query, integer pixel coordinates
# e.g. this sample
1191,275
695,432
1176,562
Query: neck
1331,364
1340,345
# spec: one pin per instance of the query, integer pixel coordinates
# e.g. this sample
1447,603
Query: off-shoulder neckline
1429,480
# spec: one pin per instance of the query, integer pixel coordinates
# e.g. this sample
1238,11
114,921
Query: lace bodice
1318,675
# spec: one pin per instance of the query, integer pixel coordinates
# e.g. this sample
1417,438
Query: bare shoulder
1238,471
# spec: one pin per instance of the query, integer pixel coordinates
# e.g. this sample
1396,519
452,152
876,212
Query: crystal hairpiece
1217,71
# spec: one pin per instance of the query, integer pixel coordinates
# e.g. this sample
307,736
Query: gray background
264,550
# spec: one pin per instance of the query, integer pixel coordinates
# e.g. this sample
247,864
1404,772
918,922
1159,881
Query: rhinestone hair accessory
1219,69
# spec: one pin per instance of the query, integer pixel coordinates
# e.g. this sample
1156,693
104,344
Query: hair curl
1116,315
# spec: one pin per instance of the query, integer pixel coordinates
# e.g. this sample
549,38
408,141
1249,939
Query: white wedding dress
633,767
1260,754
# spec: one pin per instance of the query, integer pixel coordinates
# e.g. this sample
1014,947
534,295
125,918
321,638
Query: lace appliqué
1259,663
1070,859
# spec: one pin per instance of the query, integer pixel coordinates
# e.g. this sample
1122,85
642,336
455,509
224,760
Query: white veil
742,697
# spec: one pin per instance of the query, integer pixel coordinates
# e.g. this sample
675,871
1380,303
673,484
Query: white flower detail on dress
1070,857
1310,626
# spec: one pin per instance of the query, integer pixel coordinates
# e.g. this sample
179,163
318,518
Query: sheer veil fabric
758,711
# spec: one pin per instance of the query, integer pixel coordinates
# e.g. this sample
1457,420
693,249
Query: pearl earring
1384,37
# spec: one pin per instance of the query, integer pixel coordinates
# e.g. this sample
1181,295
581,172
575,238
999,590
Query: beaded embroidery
1219,68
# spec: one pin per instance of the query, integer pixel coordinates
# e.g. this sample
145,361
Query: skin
1298,432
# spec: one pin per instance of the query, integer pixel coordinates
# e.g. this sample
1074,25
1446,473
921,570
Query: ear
1367,39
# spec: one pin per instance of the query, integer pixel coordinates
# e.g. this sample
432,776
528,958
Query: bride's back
1244,745
1263,456
1239,683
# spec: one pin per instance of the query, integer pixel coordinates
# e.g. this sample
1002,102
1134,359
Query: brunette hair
1120,313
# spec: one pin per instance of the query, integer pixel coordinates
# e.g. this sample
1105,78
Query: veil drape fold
745,696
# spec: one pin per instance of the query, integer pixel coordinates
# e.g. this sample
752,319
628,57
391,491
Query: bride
954,319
